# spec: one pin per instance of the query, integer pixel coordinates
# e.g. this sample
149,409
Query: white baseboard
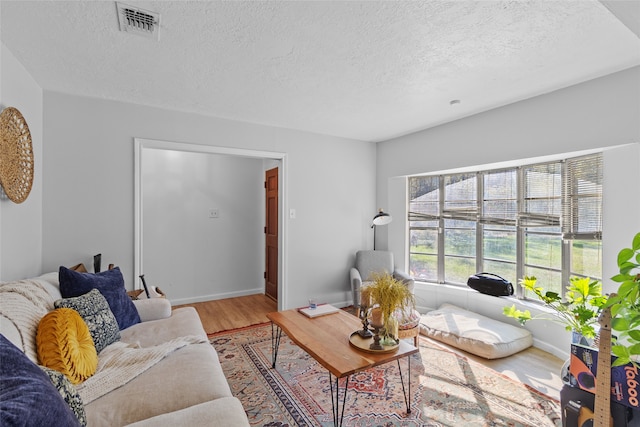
210,297
563,355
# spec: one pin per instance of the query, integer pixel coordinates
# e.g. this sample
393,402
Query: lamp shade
382,218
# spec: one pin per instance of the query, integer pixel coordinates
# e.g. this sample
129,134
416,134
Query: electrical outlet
214,213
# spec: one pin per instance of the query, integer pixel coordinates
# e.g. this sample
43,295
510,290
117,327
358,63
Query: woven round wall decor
16,155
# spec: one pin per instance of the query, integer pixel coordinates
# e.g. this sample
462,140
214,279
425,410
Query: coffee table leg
276,334
407,399
335,401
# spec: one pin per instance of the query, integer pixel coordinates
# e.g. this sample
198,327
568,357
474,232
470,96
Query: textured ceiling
369,70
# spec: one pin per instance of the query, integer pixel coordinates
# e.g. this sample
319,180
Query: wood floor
534,367
233,313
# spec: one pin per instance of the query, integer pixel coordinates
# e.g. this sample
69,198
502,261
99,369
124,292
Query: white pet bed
474,333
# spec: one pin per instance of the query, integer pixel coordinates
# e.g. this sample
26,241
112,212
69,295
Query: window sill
508,300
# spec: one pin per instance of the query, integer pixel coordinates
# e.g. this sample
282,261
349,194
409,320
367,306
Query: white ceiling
368,70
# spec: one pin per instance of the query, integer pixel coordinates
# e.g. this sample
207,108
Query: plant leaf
521,316
636,242
625,255
620,350
620,277
583,314
599,301
634,349
626,267
528,282
587,331
621,361
550,297
620,324
634,322
624,291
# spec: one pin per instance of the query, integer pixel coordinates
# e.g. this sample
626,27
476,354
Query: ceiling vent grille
138,21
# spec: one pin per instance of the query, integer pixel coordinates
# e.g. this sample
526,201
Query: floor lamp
381,218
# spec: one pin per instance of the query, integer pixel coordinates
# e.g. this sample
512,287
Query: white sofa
187,387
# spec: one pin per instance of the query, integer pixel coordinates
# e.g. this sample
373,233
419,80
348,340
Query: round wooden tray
363,344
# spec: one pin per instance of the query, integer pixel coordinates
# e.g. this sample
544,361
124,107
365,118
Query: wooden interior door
271,234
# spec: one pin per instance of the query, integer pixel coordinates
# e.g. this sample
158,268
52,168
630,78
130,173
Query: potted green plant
386,295
578,311
625,305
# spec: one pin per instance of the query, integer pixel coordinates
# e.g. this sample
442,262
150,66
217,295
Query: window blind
424,198
582,199
500,198
541,187
460,197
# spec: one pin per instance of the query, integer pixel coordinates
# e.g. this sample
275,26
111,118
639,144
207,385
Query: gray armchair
369,263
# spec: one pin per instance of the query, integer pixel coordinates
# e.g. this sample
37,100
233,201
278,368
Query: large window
542,220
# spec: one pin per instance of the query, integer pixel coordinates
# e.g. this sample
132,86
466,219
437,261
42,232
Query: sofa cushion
65,344
68,393
228,409
95,311
182,322
187,377
474,333
110,283
195,366
153,308
25,387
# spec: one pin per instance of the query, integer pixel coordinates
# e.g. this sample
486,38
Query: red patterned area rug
446,389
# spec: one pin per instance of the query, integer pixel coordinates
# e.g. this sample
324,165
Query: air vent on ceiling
138,21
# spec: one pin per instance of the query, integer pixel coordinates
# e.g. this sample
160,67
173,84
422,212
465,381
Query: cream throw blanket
24,303
120,363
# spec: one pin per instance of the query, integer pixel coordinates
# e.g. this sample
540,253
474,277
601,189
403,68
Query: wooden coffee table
326,339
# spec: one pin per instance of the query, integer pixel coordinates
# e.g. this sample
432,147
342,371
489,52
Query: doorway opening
146,230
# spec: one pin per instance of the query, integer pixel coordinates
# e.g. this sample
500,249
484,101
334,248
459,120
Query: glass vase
390,331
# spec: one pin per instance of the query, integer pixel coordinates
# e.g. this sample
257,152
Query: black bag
490,284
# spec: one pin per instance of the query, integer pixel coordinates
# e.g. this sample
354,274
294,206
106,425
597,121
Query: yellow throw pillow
65,344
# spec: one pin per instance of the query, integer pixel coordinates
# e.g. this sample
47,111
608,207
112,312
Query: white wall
89,173
21,224
186,253
604,112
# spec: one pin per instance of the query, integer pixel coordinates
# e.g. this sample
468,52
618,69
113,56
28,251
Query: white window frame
572,225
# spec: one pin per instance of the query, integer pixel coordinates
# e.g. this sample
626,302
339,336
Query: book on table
320,310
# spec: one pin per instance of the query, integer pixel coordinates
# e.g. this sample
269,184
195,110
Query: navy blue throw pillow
110,283
27,395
